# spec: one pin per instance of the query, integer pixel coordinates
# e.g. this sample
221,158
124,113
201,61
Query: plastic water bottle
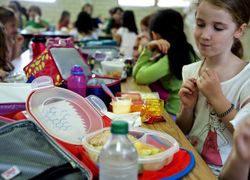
118,159
37,45
77,81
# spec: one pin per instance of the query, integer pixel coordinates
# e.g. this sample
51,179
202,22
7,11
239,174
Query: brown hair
36,9
3,47
145,20
6,15
240,12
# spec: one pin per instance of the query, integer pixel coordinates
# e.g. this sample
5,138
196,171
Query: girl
126,34
14,41
64,22
4,63
166,26
216,88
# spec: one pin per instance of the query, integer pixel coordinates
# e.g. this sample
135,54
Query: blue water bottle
77,81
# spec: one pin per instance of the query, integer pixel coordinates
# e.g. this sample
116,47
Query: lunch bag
27,152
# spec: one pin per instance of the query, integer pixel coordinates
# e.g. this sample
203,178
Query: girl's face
215,30
11,28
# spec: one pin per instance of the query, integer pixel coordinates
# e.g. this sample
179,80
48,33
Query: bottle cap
77,70
119,127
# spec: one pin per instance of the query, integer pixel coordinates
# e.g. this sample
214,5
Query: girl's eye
199,24
218,28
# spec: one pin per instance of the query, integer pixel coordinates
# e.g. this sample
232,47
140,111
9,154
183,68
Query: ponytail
237,48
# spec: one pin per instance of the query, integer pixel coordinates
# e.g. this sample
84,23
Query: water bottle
77,81
37,45
118,159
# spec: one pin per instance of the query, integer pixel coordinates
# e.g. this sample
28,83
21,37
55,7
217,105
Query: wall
52,11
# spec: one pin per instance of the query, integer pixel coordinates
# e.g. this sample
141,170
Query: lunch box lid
62,113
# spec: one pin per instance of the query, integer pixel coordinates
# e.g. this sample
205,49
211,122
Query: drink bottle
118,159
77,81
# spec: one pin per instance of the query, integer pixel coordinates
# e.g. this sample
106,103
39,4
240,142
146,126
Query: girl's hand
242,141
209,85
160,45
3,74
189,94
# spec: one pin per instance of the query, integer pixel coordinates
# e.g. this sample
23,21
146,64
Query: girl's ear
240,31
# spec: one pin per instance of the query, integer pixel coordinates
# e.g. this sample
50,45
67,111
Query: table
201,170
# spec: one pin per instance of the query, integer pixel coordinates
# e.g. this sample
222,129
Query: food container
155,149
112,69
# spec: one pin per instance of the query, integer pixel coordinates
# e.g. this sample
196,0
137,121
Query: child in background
126,34
143,38
14,40
5,64
64,22
35,21
237,165
163,57
216,88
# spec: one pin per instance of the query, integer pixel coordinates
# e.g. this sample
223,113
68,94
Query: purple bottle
77,81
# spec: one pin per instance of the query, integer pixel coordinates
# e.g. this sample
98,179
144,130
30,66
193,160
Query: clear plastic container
167,145
118,158
112,69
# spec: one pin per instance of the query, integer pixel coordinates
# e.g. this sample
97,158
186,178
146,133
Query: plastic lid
119,127
77,70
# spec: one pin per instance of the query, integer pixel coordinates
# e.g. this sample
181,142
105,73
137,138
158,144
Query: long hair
6,15
128,21
240,13
84,23
169,25
3,47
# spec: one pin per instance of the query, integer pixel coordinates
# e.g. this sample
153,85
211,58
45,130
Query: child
35,21
4,62
126,34
216,88
64,22
166,26
14,40
237,165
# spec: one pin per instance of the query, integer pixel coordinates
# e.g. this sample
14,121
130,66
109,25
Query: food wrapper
152,111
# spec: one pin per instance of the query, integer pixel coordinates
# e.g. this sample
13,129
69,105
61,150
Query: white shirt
216,149
127,41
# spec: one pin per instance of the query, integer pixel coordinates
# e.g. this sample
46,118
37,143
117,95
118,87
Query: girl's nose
206,33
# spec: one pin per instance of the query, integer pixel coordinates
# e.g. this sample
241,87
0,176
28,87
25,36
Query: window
141,3
173,3
45,1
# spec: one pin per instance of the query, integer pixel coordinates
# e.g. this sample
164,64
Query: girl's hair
36,9
84,23
169,25
3,47
240,13
128,21
6,15
145,20
64,15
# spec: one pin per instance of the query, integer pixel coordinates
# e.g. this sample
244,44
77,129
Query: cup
121,105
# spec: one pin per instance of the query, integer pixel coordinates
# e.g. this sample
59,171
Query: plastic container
118,159
77,81
61,113
166,143
112,69
121,105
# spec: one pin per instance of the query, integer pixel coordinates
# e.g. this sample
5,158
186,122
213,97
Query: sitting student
84,27
115,21
20,12
126,34
5,64
14,40
35,18
169,42
64,22
216,88
143,38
